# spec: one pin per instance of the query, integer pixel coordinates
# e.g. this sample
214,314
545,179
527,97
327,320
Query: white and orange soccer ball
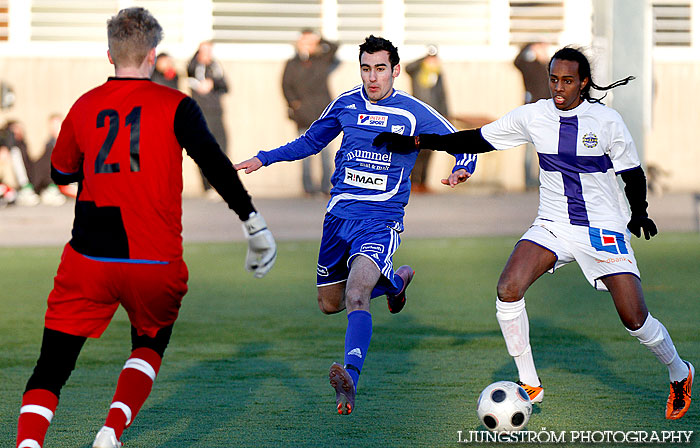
504,406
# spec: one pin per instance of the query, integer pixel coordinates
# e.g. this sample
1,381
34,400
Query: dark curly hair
373,44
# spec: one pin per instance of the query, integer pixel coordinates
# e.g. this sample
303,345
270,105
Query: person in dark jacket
428,86
165,72
205,77
533,63
305,87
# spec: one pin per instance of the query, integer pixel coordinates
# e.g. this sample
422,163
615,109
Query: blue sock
357,337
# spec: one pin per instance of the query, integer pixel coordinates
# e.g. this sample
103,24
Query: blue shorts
344,239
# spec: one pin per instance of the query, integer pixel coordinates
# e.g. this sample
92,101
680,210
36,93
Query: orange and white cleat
536,393
344,387
397,302
679,398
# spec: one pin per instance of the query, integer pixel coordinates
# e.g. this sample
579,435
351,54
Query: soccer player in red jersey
123,142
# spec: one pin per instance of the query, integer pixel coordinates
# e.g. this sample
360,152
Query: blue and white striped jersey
369,181
580,151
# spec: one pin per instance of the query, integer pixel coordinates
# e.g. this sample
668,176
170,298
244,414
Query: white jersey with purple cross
580,152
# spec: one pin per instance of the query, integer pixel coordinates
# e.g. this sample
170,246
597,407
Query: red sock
38,407
134,386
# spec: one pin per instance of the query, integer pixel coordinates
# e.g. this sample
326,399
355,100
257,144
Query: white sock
512,318
653,335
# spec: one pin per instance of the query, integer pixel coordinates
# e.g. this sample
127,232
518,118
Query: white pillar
20,28
199,23
623,40
577,23
393,21
329,19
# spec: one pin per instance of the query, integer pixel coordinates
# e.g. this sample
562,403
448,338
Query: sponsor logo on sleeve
351,106
321,270
362,179
372,120
397,129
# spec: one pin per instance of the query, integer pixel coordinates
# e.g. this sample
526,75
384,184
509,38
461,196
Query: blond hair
131,34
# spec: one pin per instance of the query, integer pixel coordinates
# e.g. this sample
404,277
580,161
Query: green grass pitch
248,361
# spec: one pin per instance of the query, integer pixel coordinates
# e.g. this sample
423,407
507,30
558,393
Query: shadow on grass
208,401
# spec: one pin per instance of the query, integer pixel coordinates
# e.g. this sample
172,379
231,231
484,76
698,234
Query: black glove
403,144
639,223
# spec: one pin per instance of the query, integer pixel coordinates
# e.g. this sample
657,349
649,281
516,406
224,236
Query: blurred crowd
26,180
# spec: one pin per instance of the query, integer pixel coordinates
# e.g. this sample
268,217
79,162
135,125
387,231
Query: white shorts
598,252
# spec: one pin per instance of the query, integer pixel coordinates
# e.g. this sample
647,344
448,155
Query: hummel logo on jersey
351,106
397,129
355,352
372,120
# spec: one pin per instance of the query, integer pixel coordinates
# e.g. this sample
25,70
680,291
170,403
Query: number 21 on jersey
133,122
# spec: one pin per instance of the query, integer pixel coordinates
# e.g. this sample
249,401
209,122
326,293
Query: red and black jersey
123,141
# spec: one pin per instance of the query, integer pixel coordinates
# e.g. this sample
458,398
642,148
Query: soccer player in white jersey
582,216
370,190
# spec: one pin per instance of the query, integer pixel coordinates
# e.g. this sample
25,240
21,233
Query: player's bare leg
331,298
363,276
525,265
626,291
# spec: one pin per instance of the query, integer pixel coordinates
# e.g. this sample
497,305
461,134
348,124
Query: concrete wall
674,143
255,113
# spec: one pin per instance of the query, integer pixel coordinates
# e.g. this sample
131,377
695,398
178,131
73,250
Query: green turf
248,361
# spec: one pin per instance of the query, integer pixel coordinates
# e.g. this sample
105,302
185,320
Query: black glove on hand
402,144
639,223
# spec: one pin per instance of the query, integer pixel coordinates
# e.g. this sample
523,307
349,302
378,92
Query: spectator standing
305,87
205,77
428,86
533,63
165,73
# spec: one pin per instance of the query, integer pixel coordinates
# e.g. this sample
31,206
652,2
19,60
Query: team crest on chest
590,140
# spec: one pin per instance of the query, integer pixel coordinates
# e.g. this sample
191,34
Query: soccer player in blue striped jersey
371,187
582,145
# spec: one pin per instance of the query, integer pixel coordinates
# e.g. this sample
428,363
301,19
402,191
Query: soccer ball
504,406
